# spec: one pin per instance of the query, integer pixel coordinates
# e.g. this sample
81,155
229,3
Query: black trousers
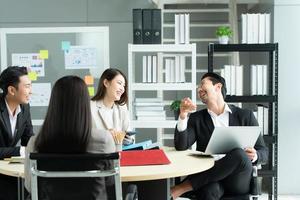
8,187
229,175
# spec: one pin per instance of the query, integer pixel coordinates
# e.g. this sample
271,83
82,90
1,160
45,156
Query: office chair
255,190
77,176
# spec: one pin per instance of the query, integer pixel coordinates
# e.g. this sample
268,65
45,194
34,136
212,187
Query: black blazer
23,130
200,127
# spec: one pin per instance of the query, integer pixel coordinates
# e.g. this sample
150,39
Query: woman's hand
117,135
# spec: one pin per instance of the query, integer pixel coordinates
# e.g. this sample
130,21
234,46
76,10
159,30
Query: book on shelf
144,69
182,28
175,69
259,79
149,69
256,28
137,26
233,76
145,99
262,116
146,26
140,113
156,26
151,118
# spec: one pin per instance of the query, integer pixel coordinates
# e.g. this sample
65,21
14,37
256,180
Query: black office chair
77,176
255,190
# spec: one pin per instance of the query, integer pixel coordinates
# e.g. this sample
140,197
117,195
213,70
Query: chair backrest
75,176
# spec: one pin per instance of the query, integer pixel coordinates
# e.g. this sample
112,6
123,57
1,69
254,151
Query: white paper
80,57
29,60
40,94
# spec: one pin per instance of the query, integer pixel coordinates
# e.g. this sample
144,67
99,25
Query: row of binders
262,115
175,69
256,28
149,109
259,79
233,76
149,69
182,28
146,26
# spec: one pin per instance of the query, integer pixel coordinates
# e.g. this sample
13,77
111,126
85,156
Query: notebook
224,139
143,157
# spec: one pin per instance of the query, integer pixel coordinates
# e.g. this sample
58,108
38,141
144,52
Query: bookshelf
136,85
269,170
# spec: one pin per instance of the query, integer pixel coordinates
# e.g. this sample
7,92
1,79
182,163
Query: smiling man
15,121
232,173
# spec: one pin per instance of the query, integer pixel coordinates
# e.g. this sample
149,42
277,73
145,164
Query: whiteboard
53,53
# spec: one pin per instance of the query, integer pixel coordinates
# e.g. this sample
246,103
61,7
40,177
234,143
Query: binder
156,26
147,26
137,26
145,157
137,146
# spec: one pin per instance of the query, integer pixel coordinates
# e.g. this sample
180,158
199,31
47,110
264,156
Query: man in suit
232,173
15,121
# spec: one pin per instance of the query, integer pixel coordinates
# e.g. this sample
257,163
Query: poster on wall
40,94
80,57
30,60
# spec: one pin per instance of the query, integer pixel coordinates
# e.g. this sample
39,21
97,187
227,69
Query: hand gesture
251,153
186,106
118,136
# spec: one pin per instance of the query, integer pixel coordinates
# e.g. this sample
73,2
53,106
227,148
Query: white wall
286,33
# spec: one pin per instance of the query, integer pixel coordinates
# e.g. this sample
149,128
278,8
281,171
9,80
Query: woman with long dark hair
67,127
108,107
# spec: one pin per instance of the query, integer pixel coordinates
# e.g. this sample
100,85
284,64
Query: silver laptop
224,139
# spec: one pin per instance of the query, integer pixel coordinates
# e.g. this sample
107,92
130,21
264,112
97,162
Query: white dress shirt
13,122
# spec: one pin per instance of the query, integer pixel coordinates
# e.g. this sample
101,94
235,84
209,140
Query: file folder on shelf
137,18
147,26
145,157
156,26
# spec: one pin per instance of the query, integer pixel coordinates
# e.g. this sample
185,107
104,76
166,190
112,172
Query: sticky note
89,80
65,45
32,75
44,54
91,91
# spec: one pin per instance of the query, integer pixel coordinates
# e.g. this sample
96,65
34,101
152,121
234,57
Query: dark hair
215,78
67,125
11,77
109,74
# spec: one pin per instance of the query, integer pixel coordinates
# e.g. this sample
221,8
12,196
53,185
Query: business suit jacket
23,130
200,127
103,124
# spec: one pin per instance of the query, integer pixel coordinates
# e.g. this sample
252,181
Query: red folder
144,157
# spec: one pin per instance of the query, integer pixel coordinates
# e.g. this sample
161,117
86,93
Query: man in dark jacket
232,173
15,121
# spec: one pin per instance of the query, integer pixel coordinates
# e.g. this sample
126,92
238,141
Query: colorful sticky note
91,91
32,75
89,80
65,45
44,54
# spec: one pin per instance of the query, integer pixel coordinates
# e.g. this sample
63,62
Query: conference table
151,179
